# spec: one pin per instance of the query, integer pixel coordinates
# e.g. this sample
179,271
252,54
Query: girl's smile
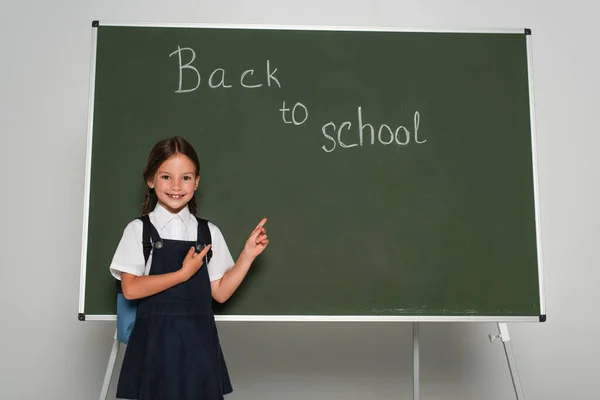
175,182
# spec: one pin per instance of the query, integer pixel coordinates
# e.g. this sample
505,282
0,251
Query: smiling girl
173,351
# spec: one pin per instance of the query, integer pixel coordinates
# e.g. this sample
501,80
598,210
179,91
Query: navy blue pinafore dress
174,351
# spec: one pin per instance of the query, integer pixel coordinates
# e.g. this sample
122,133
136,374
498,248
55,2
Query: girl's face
174,182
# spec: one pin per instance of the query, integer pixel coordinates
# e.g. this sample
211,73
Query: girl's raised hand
258,241
192,262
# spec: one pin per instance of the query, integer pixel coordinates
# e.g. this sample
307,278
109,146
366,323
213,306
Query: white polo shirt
129,256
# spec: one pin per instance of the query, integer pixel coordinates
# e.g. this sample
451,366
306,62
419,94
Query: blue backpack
127,309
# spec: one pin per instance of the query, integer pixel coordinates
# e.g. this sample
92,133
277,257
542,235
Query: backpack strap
204,237
146,244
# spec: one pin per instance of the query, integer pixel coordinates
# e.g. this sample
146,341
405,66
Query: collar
163,217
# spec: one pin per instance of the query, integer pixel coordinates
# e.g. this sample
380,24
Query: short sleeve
129,256
221,260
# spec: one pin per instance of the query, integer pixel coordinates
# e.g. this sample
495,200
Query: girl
174,351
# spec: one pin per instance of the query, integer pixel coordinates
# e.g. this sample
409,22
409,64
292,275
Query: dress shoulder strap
204,236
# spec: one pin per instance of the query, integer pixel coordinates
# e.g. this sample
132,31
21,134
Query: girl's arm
137,287
223,288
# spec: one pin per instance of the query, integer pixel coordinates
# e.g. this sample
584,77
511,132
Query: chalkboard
396,168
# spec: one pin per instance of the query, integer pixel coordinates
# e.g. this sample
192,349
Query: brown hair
160,153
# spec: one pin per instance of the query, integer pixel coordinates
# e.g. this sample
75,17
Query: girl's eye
186,178
165,177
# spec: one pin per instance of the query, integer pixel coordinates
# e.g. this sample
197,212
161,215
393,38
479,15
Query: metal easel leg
110,368
512,365
416,391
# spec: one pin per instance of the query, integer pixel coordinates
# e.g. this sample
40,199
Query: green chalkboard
396,168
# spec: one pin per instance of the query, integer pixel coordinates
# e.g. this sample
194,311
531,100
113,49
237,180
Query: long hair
160,153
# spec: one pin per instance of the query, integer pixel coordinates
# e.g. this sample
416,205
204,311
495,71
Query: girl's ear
197,182
150,184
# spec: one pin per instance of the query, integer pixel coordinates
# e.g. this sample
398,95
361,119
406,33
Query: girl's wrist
180,275
247,256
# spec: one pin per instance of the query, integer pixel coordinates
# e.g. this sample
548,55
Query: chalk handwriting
283,110
385,135
218,77
345,136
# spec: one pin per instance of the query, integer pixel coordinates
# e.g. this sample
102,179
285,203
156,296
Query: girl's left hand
258,241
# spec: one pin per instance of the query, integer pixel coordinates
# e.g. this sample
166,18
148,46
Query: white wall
46,353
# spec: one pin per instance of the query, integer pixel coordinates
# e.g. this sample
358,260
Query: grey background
47,354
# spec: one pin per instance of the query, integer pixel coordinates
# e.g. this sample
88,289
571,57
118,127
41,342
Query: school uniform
174,351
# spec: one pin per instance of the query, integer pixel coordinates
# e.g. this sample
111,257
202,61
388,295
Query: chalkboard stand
512,365
503,335
416,392
112,359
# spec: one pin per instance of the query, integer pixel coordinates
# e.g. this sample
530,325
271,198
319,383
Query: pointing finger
261,224
258,230
204,250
